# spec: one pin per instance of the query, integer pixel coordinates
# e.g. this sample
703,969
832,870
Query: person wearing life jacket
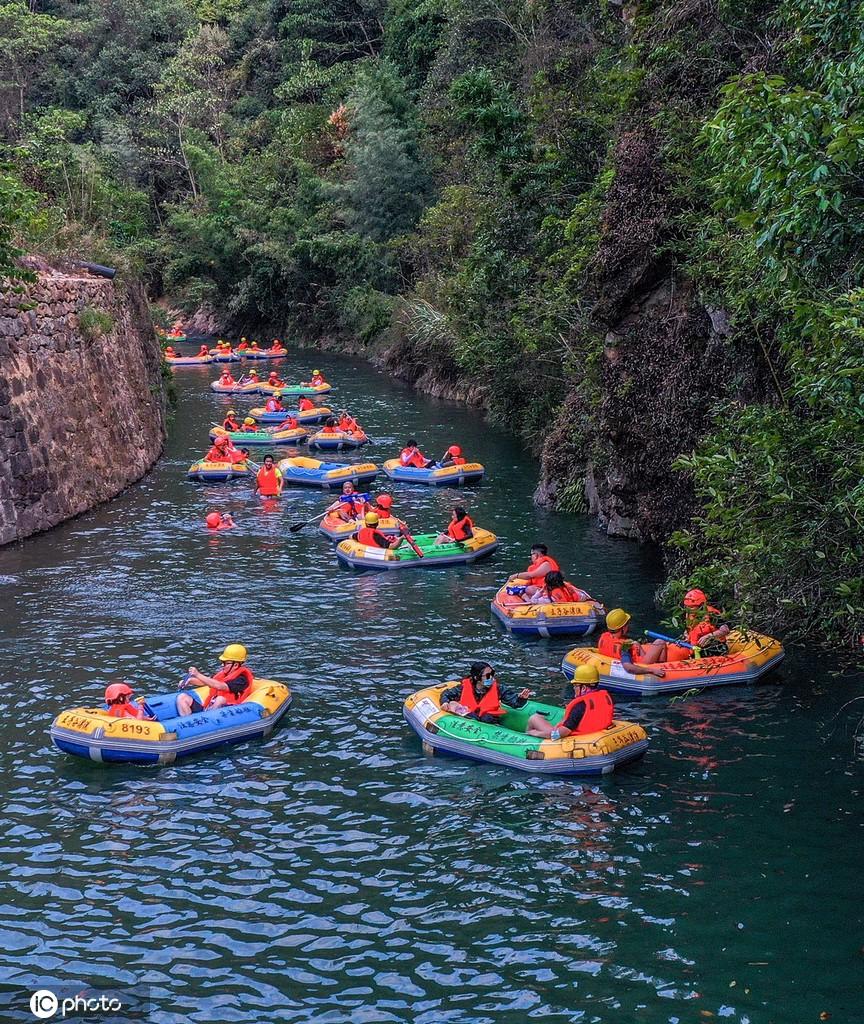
249,426
203,351
350,504
540,565
480,695
637,659
289,423
460,527
383,506
269,482
226,380
118,698
218,450
275,381
249,378
219,521
169,352
452,457
254,347
555,591
347,424
305,404
243,346
330,426
230,423
317,379
702,629
371,536
412,456
277,346
232,684
591,709
274,403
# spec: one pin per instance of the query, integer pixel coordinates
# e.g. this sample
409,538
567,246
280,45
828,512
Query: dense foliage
435,175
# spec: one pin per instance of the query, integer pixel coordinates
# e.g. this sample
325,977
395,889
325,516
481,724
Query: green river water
334,873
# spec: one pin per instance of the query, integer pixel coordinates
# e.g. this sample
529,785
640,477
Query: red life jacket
409,458
612,646
566,594
368,535
230,424
126,711
217,454
268,482
699,631
489,703
305,404
599,711
460,530
289,424
555,567
225,675
457,460
273,405
226,379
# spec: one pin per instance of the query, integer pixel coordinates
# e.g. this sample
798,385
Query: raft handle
535,755
431,727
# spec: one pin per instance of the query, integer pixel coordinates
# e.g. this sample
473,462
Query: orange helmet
221,440
695,598
117,690
454,449
384,501
213,520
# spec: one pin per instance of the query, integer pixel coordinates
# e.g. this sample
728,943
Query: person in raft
700,630
372,537
223,451
244,344
540,565
317,379
269,482
289,423
305,404
274,403
274,380
347,424
555,590
452,457
230,423
277,346
383,506
350,504
249,378
232,684
582,714
226,380
220,521
480,695
203,351
254,347
412,456
330,426
460,527
117,697
249,426
637,659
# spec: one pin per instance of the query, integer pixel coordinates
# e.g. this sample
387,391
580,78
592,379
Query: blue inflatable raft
305,472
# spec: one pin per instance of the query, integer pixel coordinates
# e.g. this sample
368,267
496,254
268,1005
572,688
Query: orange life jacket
225,675
268,481
567,593
203,351
289,424
229,423
346,424
215,454
460,530
611,646
126,711
599,711
489,703
367,535
412,458
274,405
699,631
555,567
169,352
317,380
305,403
243,346
226,378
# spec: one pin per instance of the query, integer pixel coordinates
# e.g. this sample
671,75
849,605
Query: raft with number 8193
463,552
750,656
92,733
597,753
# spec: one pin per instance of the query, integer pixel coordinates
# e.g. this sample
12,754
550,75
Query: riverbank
82,402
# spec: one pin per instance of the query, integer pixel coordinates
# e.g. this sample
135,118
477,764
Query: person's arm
201,680
452,693
514,698
635,669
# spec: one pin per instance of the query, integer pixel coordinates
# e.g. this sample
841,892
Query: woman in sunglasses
480,695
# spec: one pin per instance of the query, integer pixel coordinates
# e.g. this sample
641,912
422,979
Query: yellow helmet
231,412
277,394
315,371
617,618
233,652
371,519
586,675
248,421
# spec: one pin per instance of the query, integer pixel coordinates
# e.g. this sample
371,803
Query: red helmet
695,598
221,439
116,690
454,449
384,501
213,520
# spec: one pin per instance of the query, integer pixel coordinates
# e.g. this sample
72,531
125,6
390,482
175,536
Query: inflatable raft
216,472
295,389
443,476
242,438
253,387
571,618
750,656
306,472
316,415
220,355
94,734
598,753
362,556
337,440
335,528
188,360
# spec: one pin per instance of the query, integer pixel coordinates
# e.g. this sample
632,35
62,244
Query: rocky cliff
82,410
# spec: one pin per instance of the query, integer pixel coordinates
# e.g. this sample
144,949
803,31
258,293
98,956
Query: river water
333,873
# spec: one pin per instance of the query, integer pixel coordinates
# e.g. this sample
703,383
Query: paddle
297,527
403,529
697,651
